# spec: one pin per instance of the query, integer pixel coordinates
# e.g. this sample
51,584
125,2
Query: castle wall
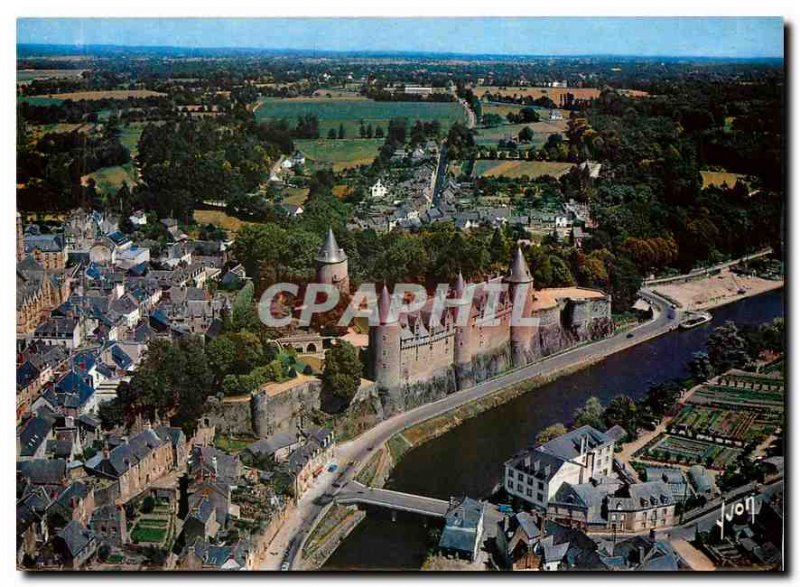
262,414
421,358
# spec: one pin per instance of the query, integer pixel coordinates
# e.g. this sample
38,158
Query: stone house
110,524
76,544
134,464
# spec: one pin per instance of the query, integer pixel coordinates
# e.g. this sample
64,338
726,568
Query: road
355,493
470,113
706,270
351,456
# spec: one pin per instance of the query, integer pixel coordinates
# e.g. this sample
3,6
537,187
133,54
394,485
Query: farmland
543,129
349,112
554,94
28,75
518,168
99,95
340,153
218,218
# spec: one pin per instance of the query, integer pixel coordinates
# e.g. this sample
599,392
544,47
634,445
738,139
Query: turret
520,280
384,344
461,303
332,264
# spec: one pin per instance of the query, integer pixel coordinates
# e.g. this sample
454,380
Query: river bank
464,456
715,291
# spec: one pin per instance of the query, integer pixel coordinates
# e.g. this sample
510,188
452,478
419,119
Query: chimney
641,554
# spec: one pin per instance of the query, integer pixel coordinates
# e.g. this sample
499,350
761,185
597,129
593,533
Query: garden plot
685,451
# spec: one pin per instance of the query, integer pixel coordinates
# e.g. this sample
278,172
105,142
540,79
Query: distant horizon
390,53
687,38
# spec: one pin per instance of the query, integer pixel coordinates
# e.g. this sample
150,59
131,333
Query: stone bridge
358,494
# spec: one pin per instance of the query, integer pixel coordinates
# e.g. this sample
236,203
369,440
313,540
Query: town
181,406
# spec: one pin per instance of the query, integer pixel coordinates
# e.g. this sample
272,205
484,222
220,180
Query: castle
413,349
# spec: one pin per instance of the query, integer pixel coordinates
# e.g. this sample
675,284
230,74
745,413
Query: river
468,460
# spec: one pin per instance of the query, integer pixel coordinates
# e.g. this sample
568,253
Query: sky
737,37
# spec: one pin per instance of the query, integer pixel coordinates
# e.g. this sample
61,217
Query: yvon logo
734,510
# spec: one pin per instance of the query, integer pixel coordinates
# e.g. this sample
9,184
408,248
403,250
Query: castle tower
463,352
384,344
519,276
332,264
20,239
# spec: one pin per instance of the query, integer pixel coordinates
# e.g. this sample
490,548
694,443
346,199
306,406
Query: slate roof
126,455
270,445
33,433
330,252
568,446
519,272
461,525
46,243
76,537
43,471
27,373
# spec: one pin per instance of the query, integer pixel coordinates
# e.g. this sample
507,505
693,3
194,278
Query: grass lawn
232,445
341,154
518,168
129,136
296,196
142,534
110,179
349,112
219,218
718,178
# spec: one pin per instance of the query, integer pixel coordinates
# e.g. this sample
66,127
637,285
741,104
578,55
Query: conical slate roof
518,272
330,251
385,313
460,285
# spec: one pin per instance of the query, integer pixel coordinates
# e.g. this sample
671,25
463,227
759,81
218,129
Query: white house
378,191
582,454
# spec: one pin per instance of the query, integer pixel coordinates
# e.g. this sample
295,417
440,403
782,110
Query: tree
701,367
727,349
526,134
622,411
332,133
341,131
342,373
591,414
551,432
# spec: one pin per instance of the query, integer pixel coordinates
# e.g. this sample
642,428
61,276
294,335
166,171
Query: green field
332,112
110,179
518,168
541,130
39,100
129,136
341,153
